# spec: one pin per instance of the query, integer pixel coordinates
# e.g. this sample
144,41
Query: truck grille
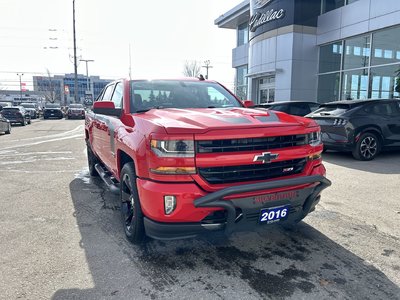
232,174
251,144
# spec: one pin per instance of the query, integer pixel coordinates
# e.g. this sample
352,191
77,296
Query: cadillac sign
263,17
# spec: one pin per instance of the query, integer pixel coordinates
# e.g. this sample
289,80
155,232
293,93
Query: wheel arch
123,158
369,129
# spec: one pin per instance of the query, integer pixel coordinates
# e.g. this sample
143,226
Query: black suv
363,127
52,110
297,108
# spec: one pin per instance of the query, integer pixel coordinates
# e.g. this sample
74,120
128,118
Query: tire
9,129
92,161
23,123
367,147
29,122
131,211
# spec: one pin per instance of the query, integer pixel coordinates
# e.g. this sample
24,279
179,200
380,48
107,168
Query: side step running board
104,174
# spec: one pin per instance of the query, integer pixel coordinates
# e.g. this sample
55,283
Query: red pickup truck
187,157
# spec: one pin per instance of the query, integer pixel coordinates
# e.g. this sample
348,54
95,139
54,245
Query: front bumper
243,214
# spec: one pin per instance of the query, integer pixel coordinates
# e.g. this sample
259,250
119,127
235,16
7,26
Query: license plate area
274,214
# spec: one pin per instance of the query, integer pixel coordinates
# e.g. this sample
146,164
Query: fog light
169,204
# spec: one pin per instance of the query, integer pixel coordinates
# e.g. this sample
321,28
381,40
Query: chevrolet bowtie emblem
266,157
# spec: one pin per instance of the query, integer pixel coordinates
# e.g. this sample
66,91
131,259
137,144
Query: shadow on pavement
387,162
270,263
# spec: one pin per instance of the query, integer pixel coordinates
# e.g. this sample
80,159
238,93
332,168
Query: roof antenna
201,77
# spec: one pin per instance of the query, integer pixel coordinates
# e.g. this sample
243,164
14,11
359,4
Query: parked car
52,110
17,115
363,127
5,125
32,108
76,111
297,108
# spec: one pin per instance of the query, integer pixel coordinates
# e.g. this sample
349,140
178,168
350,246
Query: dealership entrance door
266,89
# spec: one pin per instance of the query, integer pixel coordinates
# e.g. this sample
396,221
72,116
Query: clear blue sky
162,34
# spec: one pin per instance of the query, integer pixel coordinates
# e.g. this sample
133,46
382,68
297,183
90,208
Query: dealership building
315,50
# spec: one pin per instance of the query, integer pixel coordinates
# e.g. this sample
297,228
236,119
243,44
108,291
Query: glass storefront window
328,87
385,82
357,53
355,85
330,57
386,47
328,5
241,82
243,34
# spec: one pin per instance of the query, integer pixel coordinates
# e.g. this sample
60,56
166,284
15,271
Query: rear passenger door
394,124
386,115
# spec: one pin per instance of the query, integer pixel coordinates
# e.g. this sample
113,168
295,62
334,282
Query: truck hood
201,120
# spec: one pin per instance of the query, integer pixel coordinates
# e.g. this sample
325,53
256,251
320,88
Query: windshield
332,110
52,105
76,106
28,105
179,94
10,110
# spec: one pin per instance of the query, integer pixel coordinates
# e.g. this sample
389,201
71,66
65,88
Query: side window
381,109
108,92
299,109
118,94
396,108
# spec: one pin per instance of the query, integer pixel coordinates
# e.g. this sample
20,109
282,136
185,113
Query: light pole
207,66
87,72
75,62
20,86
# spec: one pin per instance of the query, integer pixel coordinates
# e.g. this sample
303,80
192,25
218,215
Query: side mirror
248,103
106,108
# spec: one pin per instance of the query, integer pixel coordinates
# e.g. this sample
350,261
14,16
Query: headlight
173,148
314,138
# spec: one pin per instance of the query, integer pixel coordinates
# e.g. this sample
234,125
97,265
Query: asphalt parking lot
61,236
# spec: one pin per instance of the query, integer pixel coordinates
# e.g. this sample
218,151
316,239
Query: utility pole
20,86
75,61
87,72
207,66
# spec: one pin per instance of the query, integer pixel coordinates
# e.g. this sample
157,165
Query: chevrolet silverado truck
186,157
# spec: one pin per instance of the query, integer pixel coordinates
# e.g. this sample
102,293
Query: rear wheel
367,147
131,211
92,161
8,131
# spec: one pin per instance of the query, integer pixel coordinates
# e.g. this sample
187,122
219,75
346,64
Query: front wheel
9,129
131,211
367,147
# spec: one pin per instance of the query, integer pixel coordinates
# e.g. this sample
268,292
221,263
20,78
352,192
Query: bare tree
50,93
191,69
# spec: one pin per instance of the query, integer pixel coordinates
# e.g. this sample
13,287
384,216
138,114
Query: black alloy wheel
367,147
131,211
